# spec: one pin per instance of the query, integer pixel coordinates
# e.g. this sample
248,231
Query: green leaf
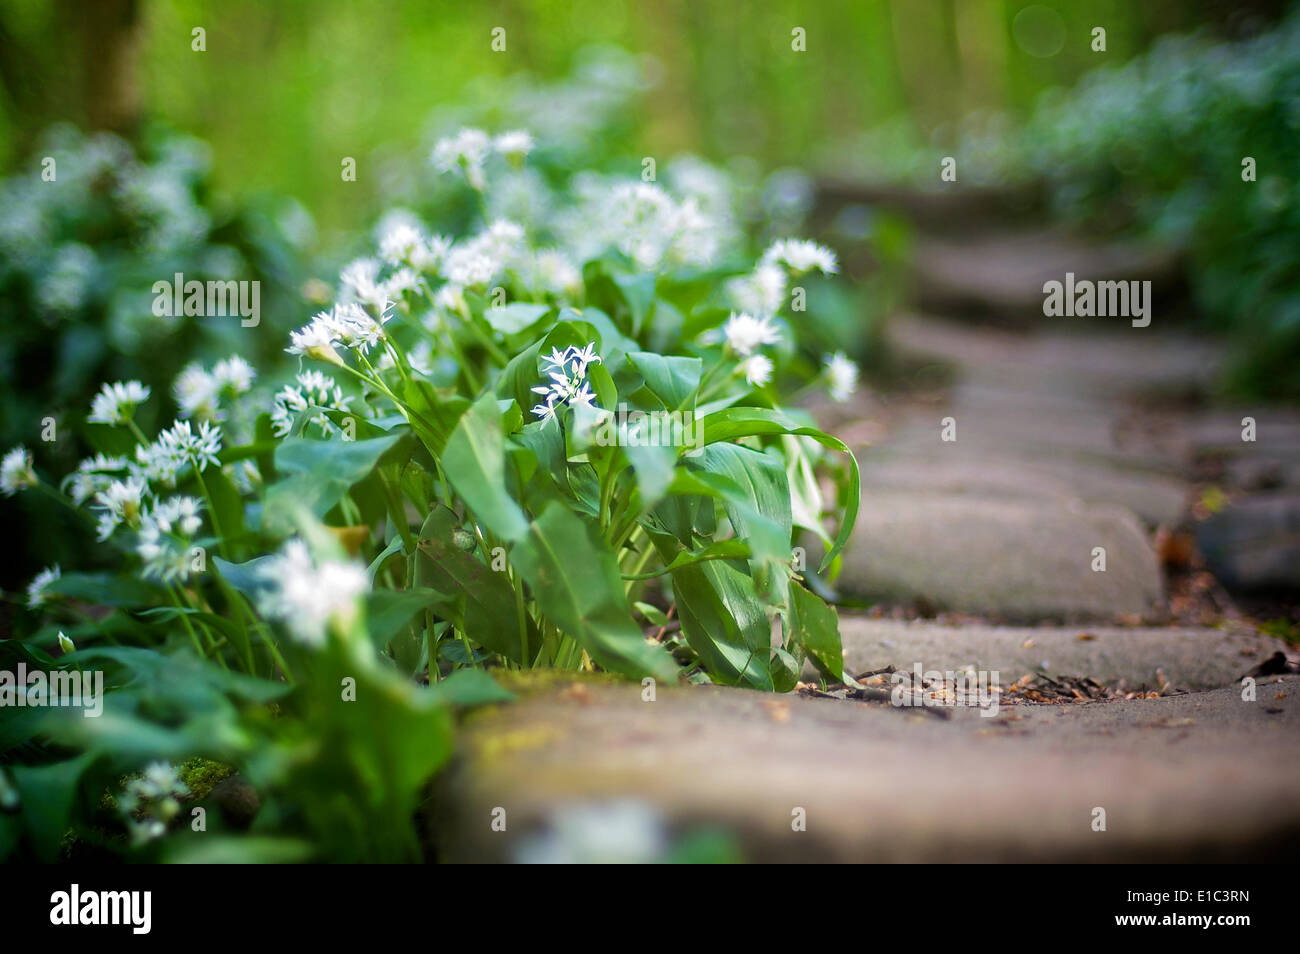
387,611
515,317
815,627
480,600
239,850
756,496
47,795
248,577
574,577
474,461
673,380
470,687
334,460
107,590
733,422
724,622
719,550
321,472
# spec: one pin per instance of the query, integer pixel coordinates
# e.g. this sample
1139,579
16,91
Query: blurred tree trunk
108,41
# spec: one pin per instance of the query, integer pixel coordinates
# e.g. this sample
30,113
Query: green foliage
1163,141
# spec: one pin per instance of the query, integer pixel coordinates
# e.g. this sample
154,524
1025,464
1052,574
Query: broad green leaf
733,422
480,599
48,793
470,687
474,461
672,379
575,579
334,460
815,627
106,589
724,621
515,317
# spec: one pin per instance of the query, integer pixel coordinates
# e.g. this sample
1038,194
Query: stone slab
594,772
1018,560
1188,658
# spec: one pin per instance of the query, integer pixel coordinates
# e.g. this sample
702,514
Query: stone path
1047,446
593,772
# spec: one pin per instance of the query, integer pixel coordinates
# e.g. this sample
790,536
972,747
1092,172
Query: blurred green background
285,89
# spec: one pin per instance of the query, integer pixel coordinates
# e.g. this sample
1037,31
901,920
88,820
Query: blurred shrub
1160,143
79,256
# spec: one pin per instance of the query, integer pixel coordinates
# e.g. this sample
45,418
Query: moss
531,682
200,775
492,746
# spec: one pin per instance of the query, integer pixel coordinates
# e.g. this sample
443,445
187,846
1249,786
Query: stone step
1016,560
958,469
595,772
1187,657
1000,276
1096,362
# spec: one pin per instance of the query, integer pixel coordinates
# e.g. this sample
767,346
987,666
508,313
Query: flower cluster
308,596
569,386
199,392
17,471
115,403
177,447
166,538
314,390
468,151
150,801
36,589
347,325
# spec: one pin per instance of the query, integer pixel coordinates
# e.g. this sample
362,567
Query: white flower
801,255
234,375
757,370
195,391
116,403
842,377
762,292
147,803
161,461
17,471
514,145
360,281
451,297
167,533
399,243
745,334
315,340
93,475
400,282
475,262
464,152
553,272
314,390
640,220
65,644
309,596
469,267
568,376
120,503
36,595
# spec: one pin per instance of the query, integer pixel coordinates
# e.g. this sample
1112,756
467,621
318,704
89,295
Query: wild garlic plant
565,416
517,446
